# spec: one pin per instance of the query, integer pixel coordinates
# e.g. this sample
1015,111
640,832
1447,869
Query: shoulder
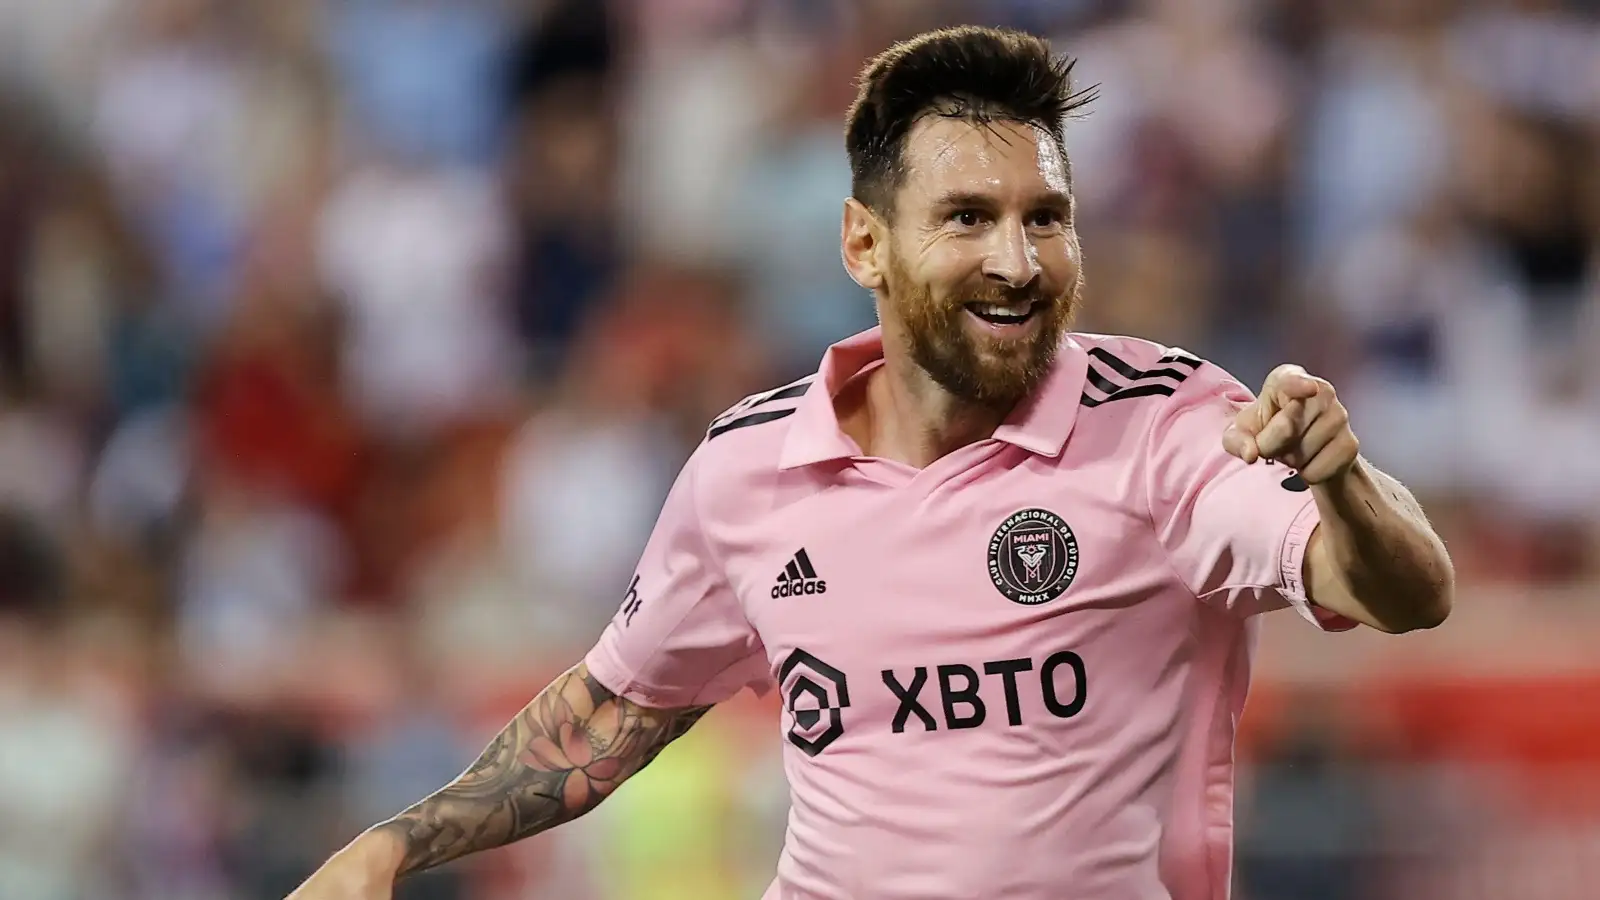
1129,376
770,405
743,444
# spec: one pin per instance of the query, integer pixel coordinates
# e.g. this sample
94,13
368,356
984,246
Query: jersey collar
1040,424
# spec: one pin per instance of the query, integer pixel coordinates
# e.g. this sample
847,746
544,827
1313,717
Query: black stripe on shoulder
1106,385
1143,390
1115,362
1130,373
788,392
1182,359
760,418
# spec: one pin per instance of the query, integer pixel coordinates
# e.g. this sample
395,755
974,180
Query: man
1004,576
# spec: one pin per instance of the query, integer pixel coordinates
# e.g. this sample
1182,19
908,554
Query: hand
1296,420
364,870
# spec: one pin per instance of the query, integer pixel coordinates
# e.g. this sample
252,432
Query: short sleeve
1236,534
680,637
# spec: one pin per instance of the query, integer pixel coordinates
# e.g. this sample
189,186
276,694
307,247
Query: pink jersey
1015,673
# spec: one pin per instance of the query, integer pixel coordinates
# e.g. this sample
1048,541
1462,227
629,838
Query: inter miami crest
1033,557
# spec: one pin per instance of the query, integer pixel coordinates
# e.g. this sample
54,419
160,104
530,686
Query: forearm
1379,553
563,754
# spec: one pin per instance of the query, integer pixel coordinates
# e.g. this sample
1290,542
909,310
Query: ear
862,244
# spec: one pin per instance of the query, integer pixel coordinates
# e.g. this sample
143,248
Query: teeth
990,309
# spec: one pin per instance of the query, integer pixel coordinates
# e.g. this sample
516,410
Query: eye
967,218
1045,218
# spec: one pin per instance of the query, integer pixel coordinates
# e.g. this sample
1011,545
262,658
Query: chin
999,380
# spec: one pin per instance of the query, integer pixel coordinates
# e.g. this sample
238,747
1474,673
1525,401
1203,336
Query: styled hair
969,72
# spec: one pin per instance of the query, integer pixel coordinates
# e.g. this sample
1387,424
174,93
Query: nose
1013,260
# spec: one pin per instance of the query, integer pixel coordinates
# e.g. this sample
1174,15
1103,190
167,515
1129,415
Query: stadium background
348,346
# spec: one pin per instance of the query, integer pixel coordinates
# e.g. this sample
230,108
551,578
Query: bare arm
1375,559
564,753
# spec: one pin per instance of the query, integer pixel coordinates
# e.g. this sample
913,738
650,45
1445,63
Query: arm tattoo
563,754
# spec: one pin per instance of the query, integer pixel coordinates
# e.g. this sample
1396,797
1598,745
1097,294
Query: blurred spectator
1286,853
1376,137
562,181
171,118
254,574
41,461
420,78
787,208
64,754
691,115
426,346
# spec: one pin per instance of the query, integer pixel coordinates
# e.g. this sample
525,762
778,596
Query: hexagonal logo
815,695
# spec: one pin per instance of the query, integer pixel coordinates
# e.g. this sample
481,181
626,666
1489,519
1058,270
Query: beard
989,372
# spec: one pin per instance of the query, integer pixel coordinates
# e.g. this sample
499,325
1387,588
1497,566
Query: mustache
1005,295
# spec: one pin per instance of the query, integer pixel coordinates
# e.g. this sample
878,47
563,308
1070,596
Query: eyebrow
962,199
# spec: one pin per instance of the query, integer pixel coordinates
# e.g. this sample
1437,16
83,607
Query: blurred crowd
348,347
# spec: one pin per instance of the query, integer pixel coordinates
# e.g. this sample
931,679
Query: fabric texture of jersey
1015,673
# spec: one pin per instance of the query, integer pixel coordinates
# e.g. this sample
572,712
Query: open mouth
1012,314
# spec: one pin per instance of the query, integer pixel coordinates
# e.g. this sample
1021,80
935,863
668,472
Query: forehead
1001,159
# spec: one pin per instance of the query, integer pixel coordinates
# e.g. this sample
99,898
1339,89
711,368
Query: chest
1007,551
987,600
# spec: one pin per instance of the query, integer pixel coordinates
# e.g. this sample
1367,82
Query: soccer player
1004,576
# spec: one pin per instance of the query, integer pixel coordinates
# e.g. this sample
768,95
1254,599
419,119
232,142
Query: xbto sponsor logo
815,695
1062,682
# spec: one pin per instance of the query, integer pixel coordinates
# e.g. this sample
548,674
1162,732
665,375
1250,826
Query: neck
904,416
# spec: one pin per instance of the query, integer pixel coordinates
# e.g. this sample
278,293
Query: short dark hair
970,72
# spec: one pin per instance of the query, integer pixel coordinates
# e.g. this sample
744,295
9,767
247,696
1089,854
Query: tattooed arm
563,754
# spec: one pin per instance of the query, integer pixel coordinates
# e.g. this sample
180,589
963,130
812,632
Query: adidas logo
798,577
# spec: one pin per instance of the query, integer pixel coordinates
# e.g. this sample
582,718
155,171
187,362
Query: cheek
1062,261
947,270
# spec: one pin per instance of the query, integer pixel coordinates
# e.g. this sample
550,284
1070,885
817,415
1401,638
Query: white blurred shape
688,126
414,258
142,473
580,498
41,463
1377,143
256,572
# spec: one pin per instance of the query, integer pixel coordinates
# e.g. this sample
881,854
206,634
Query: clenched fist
1297,420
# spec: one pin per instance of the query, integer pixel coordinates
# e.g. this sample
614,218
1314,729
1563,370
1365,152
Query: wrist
377,853
1354,480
